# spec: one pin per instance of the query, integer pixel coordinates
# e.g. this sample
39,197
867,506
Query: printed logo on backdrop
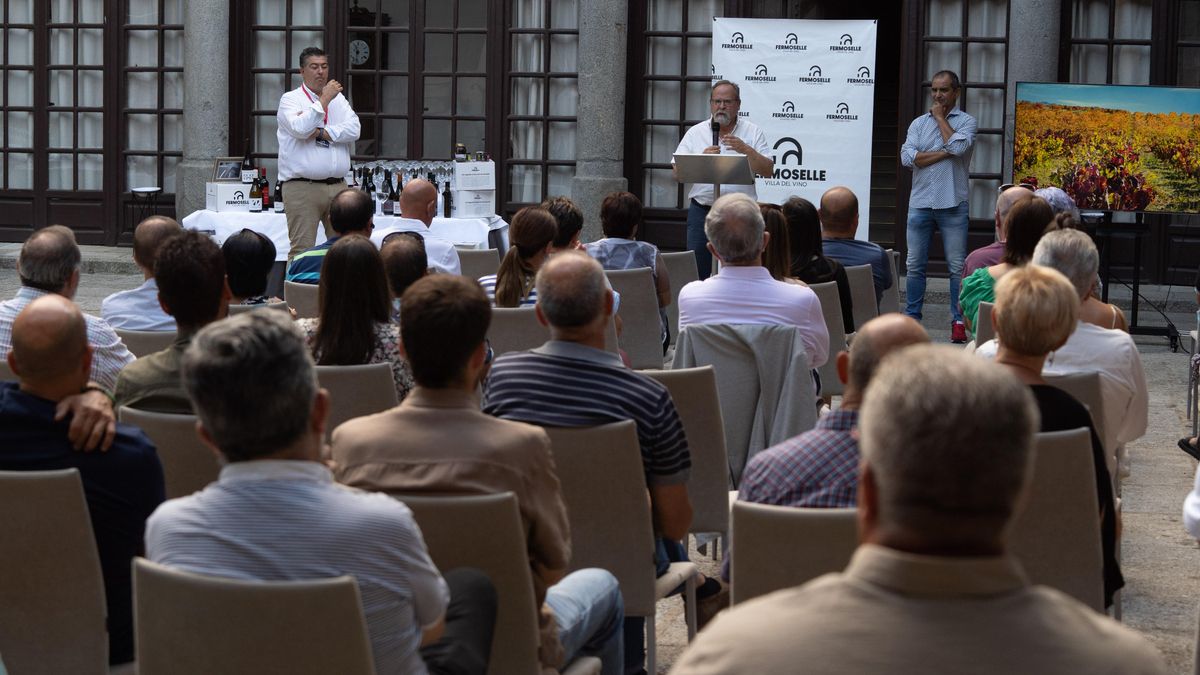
863,78
760,75
814,76
791,43
845,44
787,175
842,114
737,41
788,112
715,76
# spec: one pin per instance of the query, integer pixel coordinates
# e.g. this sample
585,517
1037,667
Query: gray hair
948,437
1059,201
735,227
737,91
570,289
252,383
1072,253
48,258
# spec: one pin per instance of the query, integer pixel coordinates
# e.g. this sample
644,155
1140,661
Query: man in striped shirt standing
938,150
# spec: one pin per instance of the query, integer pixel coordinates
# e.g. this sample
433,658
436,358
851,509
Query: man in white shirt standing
138,308
317,127
735,136
418,204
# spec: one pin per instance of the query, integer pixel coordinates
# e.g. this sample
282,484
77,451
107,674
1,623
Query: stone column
205,99
1032,57
600,139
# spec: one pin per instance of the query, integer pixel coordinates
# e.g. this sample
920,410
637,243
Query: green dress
977,288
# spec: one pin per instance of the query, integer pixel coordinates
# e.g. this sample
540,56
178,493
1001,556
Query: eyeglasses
723,101
1027,186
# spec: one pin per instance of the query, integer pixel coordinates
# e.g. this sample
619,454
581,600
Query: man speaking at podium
723,134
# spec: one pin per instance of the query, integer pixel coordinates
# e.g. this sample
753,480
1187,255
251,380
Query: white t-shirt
440,254
300,113
699,137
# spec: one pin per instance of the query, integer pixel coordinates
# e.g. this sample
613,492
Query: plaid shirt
818,468
110,354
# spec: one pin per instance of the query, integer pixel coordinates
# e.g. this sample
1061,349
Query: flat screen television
1111,147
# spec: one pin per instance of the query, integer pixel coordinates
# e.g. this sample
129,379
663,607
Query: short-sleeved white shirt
699,137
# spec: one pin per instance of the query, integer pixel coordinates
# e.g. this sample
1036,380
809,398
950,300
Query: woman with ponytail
531,236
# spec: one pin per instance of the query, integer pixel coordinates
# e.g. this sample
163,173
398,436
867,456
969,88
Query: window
75,108
16,63
1109,41
1187,56
152,111
378,79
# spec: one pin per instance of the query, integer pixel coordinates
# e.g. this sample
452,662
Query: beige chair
604,488
694,391
145,342
485,532
304,298
681,268
6,373
193,624
1085,387
52,610
1057,534
516,329
984,330
862,294
831,309
478,262
641,331
890,302
777,547
355,391
240,309
188,464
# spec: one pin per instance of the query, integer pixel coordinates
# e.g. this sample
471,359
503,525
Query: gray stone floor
1161,562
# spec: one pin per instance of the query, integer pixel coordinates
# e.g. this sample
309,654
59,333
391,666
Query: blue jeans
696,239
588,608
952,223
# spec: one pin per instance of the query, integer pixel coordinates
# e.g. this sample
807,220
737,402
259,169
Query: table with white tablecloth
486,232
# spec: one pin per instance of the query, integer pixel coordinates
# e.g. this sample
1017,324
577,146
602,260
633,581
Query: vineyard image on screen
1111,147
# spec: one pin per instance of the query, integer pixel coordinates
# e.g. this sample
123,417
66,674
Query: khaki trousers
306,203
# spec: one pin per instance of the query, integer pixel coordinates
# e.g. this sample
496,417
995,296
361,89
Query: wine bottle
256,201
447,199
264,186
368,182
249,173
277,198
387,193
394,198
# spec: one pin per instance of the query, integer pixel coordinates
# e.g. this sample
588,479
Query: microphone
716,129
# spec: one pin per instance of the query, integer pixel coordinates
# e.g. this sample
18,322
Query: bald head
49,345
571,291
49,260
876,339
149,236
839,213
419,200
1004,204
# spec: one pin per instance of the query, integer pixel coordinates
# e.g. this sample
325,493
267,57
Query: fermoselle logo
238,195
845,44
737,41
814,76
787,149
715,76
788,112
842,114
864,77
791,43
760,75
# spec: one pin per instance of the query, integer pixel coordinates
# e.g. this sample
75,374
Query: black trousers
466,644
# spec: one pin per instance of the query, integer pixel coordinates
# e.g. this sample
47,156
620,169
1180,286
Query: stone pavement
1161,562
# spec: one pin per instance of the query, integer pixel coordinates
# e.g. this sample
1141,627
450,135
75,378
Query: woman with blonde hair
531,238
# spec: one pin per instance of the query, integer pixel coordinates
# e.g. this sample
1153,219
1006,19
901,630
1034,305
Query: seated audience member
418,206
777,255
192,289
744,292
138,308
1029,219
1036,310
931,588
620,216
403,255
275,513
1091,348
350,212
51,357
437,441
530,237
569,217
806,259
579,384
839,224
354,304
993,253
1065,210
249,258
49,264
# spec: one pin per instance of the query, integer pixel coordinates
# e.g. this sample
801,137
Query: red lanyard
304,89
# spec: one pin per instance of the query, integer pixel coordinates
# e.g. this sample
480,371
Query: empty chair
238,309
189,624
984,330
681,268
478,262
890,302
52,613
777,547
831,309
355,391
485,532
304,298
1085,387
862,294
188,464
144,342
516,329
604,488
641,331
1056,535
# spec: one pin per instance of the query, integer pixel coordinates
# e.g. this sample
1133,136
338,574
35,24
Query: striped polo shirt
489,286
305,268
286,520
565,384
